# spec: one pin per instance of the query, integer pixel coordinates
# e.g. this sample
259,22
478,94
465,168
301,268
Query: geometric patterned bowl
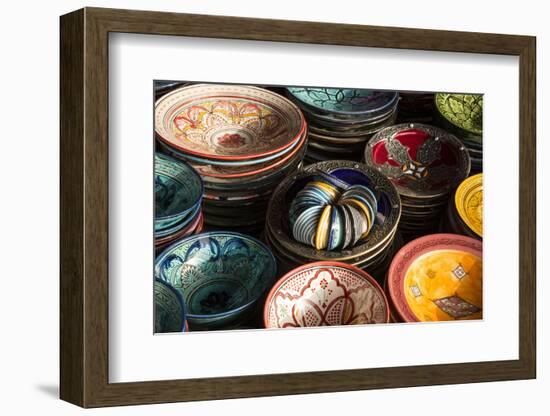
170,311
437,277
324,294
221,275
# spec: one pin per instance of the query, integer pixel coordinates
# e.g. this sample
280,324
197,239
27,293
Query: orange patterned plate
227,122
437,278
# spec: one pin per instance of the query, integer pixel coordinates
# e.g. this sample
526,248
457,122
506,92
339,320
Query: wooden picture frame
84,207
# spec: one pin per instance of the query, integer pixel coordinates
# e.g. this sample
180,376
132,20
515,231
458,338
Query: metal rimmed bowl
325,294
221,275
437,277
291,252
170,312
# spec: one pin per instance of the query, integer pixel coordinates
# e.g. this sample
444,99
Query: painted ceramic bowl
345,101
438,277
387,214
178,192
422,161
464,111
170,313
469,203
325,294
227,122
330,214
221,275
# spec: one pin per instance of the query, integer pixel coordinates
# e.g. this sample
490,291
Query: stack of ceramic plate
242,140
465,210
415,107
425,164
437,277
324,214
221,276
462,115
342,120
178,197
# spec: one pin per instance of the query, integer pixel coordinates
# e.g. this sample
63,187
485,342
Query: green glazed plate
464,111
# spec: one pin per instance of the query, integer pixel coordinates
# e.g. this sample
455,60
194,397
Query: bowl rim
181,300
209,234
413,250
232,157
194,172
341,265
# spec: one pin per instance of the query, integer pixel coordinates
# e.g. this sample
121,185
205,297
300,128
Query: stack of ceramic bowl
334,211
465,209
415,107
462,115
170,313
342,120
425,164
242,140
324,294
178,197
437,277
222,277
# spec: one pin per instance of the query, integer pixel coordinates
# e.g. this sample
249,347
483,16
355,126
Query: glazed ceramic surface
169,308
420,160
227,121
220,274
438,277
469,203
323,294
178,191
338,100
464,111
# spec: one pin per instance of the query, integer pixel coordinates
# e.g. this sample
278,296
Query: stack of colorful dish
342,120
465,210
415,107
425,164
325,214
462,115
324,294
178,197
221,276
437,278
242,140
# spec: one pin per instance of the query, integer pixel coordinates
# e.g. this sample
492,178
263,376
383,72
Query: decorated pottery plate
422,161
219,274
178,190
469,203
169,308
325,294
227,122
464,111
437,278
346,101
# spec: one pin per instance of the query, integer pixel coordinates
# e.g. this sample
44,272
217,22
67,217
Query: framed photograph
256,207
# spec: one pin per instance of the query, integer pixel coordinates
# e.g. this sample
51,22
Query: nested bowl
221,275
325,294
178,194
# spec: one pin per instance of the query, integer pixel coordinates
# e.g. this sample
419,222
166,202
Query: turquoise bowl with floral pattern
221,276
